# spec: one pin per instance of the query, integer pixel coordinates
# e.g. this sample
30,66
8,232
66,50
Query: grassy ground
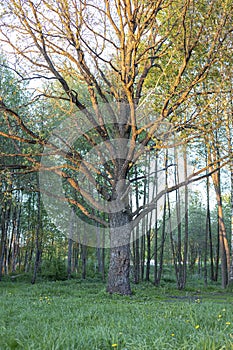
82,316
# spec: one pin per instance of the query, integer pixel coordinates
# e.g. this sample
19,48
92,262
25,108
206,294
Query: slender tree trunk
70,246
99,250
208,226
3,240
119,268
145,220
224,248
103,264
37,238
149,218
166,206
199,263
225,254
26,261
6,258
4,228
213,155
103,256
206,251
84,261
75,256
136,243
162,242
231,267
180,281
143,249
186,220
148,241
29,238
174,258
16,249
84,255
12,237
156,281
69,260
217,258
170,228
136,255
229,126
151,230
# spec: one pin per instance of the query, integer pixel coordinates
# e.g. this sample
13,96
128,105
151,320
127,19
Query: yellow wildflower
228,323
197,326
114,345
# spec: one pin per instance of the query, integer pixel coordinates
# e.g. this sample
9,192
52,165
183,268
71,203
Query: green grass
82,316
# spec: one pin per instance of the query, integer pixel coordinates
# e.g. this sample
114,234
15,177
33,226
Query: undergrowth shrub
54,269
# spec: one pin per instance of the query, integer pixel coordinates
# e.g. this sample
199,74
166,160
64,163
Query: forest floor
80,315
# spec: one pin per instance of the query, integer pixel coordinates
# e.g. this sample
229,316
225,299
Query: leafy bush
54,269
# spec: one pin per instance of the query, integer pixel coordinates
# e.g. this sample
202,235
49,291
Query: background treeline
27,234
183,232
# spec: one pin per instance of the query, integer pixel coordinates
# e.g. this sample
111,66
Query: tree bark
224,248
163,237
119,267
69,260
208,226
156,281
136,242
229,126
186,220
70,246
231,267
214,155
148,251
84,261
38,237
3,244
136,255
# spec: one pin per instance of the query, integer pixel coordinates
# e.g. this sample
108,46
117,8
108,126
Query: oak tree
111,48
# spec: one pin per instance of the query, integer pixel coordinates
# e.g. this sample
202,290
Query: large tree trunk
119,267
